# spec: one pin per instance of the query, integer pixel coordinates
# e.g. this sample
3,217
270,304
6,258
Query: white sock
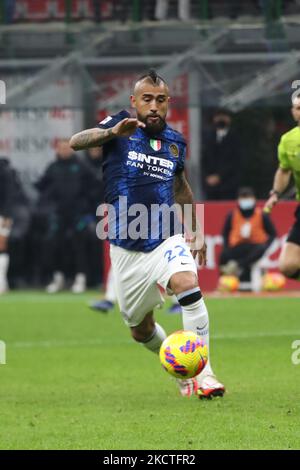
195,318
4,263
154,343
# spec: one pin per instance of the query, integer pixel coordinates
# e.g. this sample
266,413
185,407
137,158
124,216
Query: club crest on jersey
174,150
155,144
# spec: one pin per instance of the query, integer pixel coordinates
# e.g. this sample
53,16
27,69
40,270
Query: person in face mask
221,159
247,233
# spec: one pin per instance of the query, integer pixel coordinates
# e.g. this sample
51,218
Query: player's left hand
200,252
202,255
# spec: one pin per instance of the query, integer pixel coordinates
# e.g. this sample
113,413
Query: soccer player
144,161
289,164
107,304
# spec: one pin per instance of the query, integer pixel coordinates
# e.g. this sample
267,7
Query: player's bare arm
96,137
184,195
281,181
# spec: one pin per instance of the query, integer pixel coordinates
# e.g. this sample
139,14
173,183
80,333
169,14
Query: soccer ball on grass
228,283
273,282
183,354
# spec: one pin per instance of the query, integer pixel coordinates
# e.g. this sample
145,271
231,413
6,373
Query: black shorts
294,235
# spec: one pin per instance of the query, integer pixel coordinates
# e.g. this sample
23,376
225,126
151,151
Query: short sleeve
283,156
110,121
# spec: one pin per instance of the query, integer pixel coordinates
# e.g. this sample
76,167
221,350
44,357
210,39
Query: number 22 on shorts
179,250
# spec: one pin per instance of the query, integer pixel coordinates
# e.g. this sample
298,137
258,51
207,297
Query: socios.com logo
2,92
2,353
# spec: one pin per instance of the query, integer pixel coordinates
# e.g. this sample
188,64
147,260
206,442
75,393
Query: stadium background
65,68
73,378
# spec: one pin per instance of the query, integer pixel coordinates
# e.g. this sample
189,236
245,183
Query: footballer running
289,164
141,265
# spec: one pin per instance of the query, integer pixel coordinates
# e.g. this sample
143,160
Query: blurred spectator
97,10
95,253
6,199
17,245
161,9
247,233
94,161
65,191
222,156
9,10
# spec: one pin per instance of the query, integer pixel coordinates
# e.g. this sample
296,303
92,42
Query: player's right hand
271,202
127,127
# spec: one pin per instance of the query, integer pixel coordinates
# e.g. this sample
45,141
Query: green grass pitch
75,380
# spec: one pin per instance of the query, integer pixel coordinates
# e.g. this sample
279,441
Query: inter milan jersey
137,170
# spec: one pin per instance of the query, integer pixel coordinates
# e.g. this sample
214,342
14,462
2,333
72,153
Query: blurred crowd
139,10
52,240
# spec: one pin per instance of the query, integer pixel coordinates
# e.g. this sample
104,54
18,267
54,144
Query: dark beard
153,128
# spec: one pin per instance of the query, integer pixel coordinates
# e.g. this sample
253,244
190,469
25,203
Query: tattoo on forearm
184,195
91,138
182,190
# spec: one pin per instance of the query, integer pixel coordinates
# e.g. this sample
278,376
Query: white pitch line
99,342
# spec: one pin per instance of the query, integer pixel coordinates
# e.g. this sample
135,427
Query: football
183,354
228,284
273,281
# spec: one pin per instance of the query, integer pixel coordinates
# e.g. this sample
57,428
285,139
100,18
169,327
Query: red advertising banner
41,10
214,217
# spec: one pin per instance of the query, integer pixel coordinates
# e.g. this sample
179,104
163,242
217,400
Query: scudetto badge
174,150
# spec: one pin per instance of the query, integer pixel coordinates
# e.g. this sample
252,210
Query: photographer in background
248,232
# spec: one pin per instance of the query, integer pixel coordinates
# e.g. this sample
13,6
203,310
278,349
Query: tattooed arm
97,137
91,138
184,197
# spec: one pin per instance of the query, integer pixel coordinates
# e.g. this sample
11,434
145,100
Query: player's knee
182,282
288,269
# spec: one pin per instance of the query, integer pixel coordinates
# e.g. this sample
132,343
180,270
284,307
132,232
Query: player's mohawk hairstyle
152,74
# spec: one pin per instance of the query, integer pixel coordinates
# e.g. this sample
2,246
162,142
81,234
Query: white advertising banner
28,137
